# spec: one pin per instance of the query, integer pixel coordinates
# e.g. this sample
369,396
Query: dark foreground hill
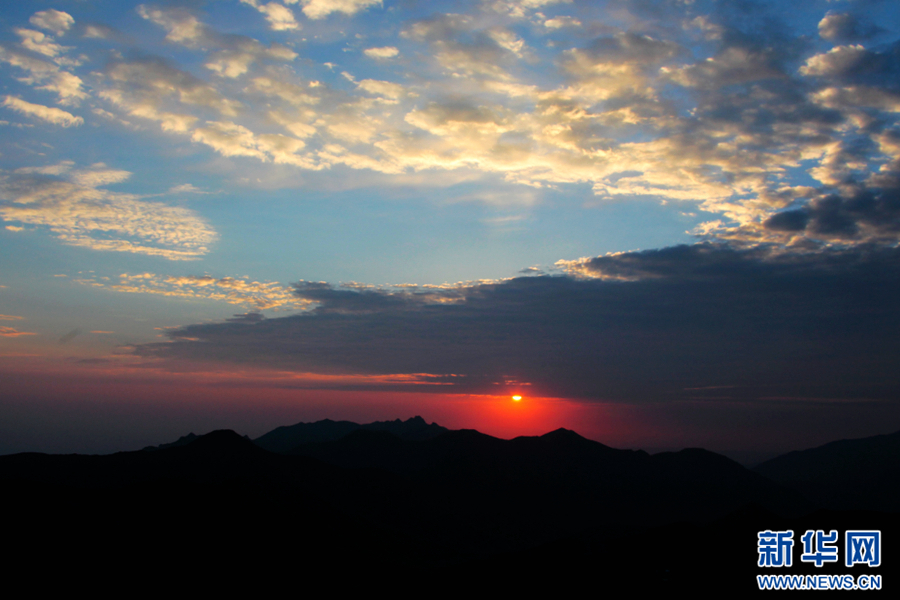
459,509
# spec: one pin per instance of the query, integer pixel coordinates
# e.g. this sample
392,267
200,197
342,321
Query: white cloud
383,52
382,88
98,175
228,139
51,115
182,26
837,61
40,43
186,188
280,17
53,20
319,9
231,139
66,85
99,32
285,90
561,22
79,214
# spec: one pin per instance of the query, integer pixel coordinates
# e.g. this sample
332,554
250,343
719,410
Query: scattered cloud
779,137
53,20
279,16
520,8
382,88
233,55
12,332
72,204
40,43
46,75
232,290
55,116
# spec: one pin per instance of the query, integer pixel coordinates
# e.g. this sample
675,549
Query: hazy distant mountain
859,474
287,438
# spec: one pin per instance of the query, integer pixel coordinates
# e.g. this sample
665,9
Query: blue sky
173,164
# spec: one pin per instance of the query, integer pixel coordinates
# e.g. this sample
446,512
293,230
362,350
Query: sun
517,398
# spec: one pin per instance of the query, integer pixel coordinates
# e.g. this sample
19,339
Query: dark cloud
251,317
627,47
871,214
68,337
647,326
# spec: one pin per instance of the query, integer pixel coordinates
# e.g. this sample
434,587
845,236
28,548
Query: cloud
844,26
52,78
53,20
630,327
70,203
840,60
319,9
98,175
51,115
186,188
383,52
230,139
152,89
10,318
232,290
68,337
40,43
98,31
234,53
739,116
462,47
382,88
519,8
280,17
561,22
12,332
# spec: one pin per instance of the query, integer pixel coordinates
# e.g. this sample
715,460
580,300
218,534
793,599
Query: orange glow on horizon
516,398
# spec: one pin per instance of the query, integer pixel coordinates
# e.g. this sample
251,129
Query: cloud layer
638,326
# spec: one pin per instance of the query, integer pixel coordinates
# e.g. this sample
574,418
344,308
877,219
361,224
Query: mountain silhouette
283,439
459,507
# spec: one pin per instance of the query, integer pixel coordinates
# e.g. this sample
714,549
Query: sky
663,223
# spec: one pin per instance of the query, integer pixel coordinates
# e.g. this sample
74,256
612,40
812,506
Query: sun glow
517,398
